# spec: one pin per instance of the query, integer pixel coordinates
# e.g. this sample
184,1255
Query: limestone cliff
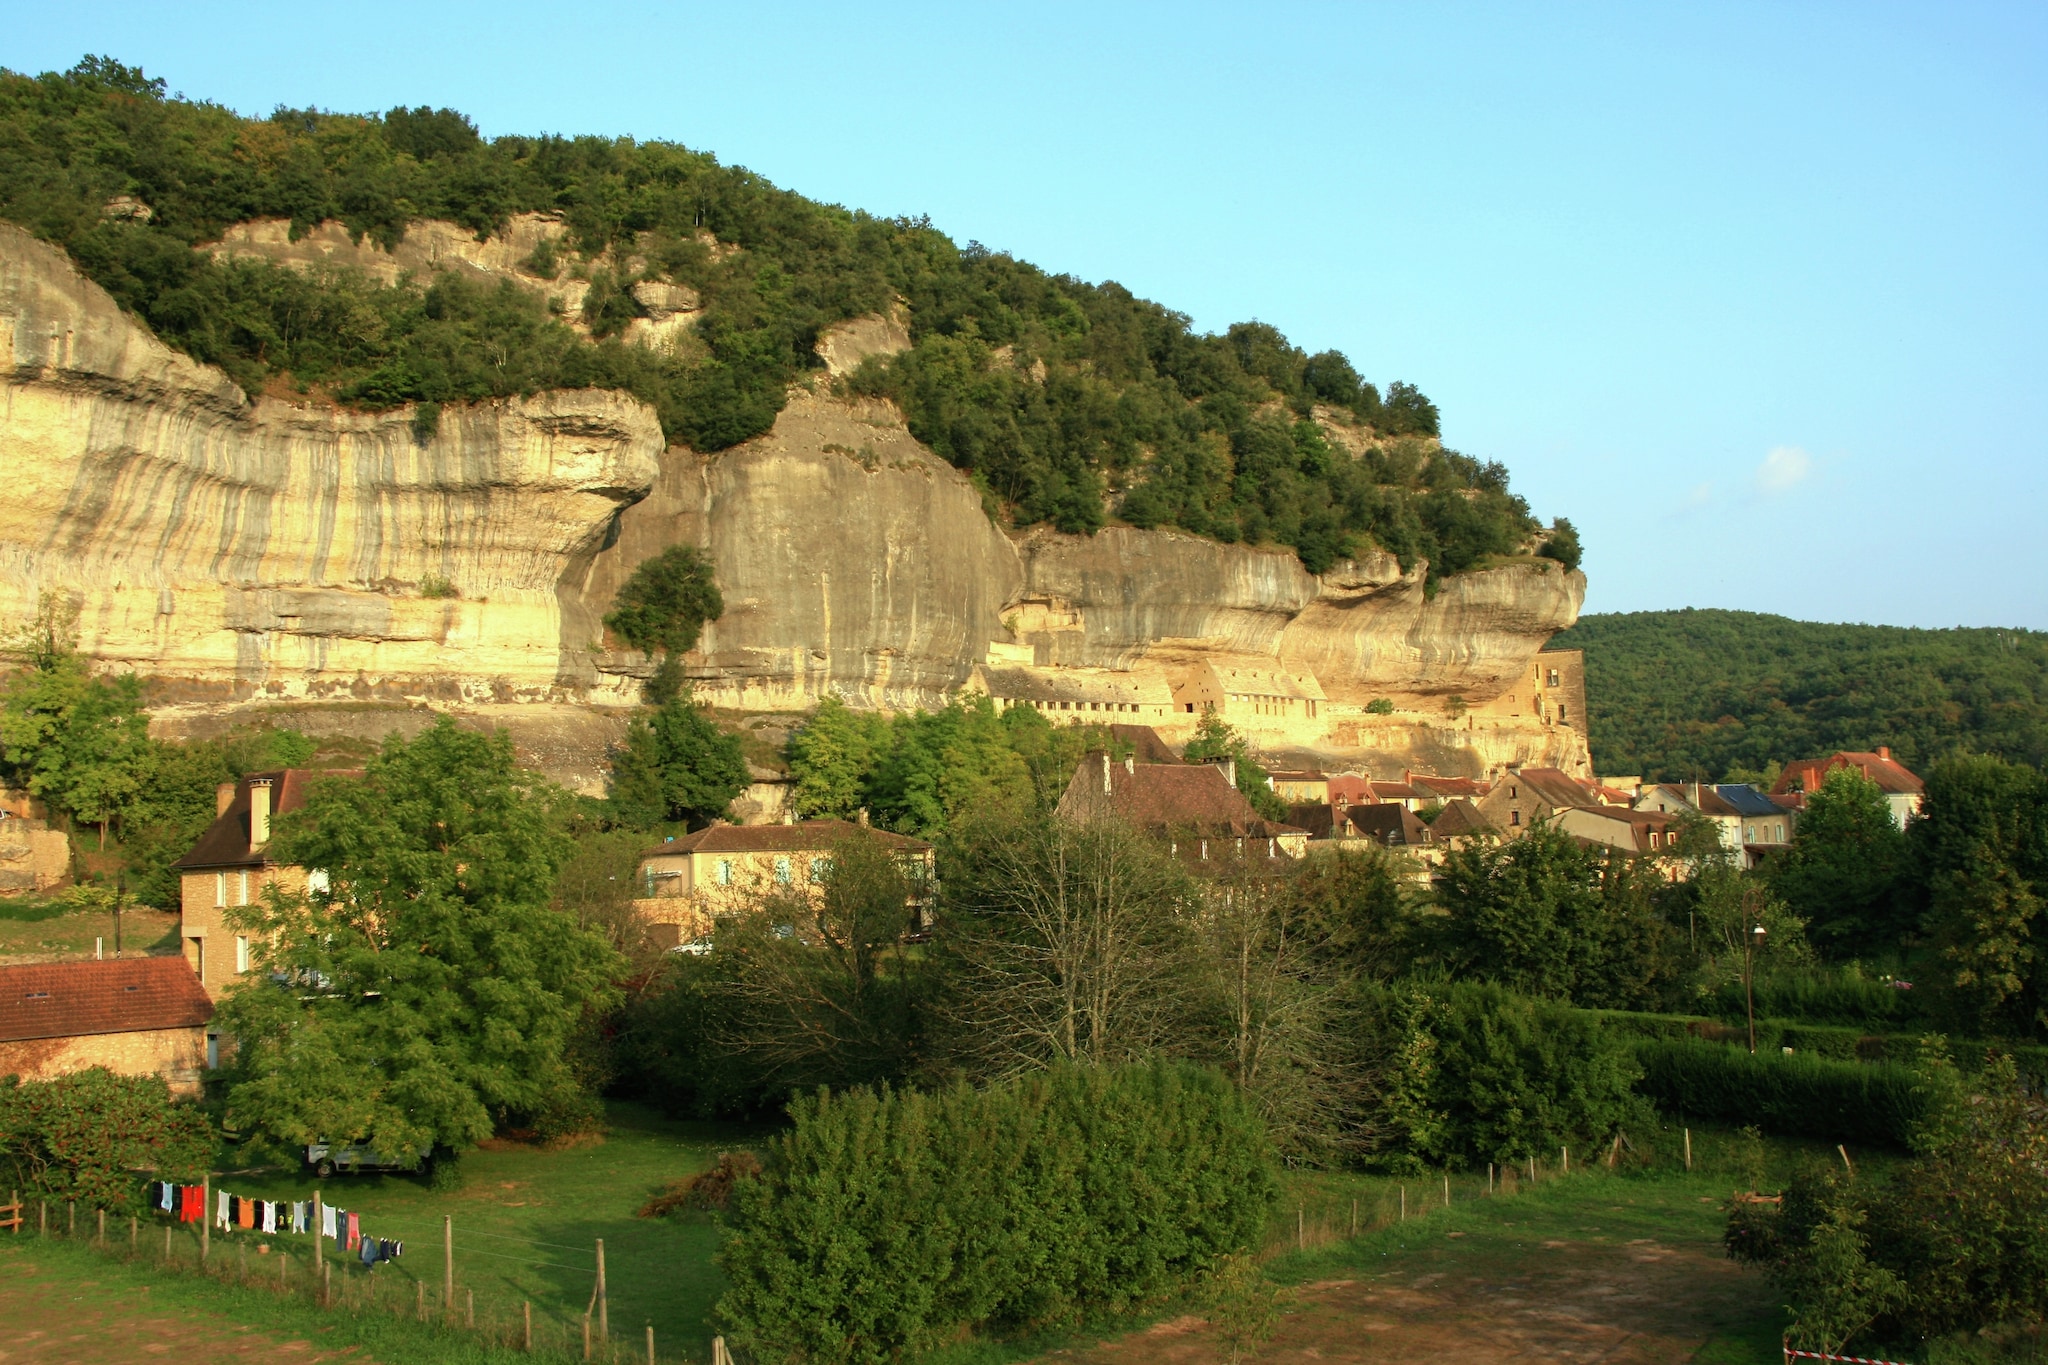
243,552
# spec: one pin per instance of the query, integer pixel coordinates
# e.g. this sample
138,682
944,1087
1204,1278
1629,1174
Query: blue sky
1756,294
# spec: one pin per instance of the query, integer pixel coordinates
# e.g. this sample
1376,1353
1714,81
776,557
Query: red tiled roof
1460,818
1447,788
73,999
802,837
1394,826
1888,773
1554,786
1395,791
226,841
1195,797
1145,742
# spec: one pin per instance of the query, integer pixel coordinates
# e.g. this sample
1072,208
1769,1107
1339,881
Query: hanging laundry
222,1210
164,1190
327,1212
355,1233
370,1254
245,1213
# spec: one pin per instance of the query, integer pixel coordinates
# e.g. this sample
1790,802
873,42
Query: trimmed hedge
890,1222
1874,1103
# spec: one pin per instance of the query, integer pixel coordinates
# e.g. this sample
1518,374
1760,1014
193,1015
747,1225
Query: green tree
78,741
431,988
1980,854
1214,738
676,764
831,759
83,1136
665,602
1845,874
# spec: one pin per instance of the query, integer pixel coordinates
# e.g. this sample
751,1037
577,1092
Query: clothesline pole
205,1218
319,1251
448,1266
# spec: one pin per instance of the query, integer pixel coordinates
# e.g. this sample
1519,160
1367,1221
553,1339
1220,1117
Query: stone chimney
223,797
1884,753
863,817
259,813
1131,764
788,816
1228,767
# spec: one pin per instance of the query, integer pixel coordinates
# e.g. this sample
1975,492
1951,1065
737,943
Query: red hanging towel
188,1203
355,1233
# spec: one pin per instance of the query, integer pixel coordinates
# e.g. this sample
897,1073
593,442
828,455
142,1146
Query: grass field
33,929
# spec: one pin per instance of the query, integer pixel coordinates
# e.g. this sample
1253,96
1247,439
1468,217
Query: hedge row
888,1223
1826,1040
1873,1103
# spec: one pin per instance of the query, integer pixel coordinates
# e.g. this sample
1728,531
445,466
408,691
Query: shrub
1797,1096
890,1221
1479,1073
666,601
85,1135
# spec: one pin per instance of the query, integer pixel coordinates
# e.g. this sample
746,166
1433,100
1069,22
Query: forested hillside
1673,694
1070,402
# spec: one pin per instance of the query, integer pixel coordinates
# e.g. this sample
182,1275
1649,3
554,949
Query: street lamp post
1750,943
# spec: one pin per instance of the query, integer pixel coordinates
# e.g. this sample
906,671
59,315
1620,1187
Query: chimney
863,817
223,797
1228,767
788,816
259,813
1131,764
1884,753
1105,774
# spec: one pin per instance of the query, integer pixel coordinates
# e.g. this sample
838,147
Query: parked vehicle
326,1159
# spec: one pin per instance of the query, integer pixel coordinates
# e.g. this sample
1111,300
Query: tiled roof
1394,826
226,841
1887,772
1159,797
1317,817
1552,785
1460,817
73,999
1396,791
1148,747
1447,788
1296,775
802,837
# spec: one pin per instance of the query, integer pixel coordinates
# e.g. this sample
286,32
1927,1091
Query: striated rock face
237,548
250,554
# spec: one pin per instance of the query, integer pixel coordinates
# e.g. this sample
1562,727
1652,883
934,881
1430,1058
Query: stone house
1442,791
1763,826
134,1016
33,857
1552,692
1073,695
1195,809
1648,832
1522,797
1903,790
1299,786
230,866
688,884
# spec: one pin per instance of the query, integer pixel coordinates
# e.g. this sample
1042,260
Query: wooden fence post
205,1219
103,1227
134,1231
1564,1161
526,1312
1354,1217
1489,1177
604,1312
1404,1203
319,1240
1300,1228
469,1309
448,1266
650,1344
70,1219
419,1299
1688,1149
586,1334
1447,1188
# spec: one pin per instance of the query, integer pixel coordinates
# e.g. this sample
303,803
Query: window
241,953
819,867
1561,713
1553,678
782,870
1514,817
1653,838
725,872
1749,834
213,1052
220,890
243,891
1512,793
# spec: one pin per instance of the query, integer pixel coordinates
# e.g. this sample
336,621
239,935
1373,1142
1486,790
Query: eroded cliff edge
243,552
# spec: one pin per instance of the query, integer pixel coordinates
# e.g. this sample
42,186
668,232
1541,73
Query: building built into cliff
1195,809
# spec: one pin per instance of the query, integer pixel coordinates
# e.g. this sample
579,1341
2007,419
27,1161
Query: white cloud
1784,469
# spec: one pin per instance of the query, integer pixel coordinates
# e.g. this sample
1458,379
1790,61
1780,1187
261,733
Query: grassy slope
1674,694
526,1221
38,928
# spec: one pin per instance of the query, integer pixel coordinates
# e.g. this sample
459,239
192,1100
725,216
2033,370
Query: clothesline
187,1202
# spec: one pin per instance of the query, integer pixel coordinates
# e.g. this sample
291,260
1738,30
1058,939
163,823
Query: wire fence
302,1267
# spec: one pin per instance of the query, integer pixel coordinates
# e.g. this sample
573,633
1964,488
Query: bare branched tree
825,990
1068,942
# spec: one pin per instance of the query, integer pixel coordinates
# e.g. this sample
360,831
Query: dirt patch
56,1321
1646,1303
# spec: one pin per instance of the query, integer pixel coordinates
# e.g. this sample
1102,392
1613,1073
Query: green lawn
526,1224
32,928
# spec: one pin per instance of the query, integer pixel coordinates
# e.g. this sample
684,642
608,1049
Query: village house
1403,794
1903,791
1299,787
230,866
1254,695
687,884
134,1016
1649,832
1459,825
1441,791
1349,789
1763,827
1193,808
1522,797
1749,823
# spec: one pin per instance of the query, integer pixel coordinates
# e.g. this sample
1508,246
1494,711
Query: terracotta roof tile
73,999
1888,773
